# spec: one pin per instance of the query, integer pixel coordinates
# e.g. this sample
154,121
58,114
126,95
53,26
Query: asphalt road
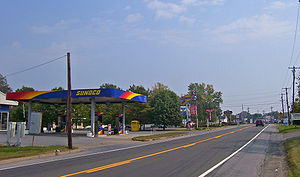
190,156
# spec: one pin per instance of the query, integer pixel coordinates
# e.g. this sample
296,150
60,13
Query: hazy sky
242,47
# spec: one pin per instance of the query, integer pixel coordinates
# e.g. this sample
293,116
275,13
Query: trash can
135,126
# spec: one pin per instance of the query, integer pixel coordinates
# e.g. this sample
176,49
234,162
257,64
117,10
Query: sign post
209,111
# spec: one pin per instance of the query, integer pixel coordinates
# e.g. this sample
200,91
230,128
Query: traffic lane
250,160
191,161
77,164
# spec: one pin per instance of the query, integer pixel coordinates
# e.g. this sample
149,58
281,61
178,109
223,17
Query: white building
4,111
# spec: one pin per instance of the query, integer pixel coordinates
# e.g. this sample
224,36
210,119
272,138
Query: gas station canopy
81,96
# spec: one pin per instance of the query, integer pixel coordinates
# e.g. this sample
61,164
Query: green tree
166,108
108,85
19,113
157,88
138,111
25,89
207,98
109,110
4,87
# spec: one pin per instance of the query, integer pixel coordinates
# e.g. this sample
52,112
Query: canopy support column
1,121
123,112
29,115
93,115
7,120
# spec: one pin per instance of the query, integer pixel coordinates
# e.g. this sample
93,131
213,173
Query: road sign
194,110
186,98
183,110
210,111
227,112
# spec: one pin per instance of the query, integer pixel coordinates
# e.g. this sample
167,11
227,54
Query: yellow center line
149,155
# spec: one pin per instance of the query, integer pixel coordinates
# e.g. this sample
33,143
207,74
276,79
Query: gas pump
99,128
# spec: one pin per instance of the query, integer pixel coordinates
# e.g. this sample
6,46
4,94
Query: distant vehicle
259,123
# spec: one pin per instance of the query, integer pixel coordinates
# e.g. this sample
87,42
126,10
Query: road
189,156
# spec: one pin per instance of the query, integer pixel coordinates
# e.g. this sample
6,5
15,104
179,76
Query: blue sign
183,110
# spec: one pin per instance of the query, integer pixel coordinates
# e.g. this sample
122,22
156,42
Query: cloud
16,45
252,28
187,2
133,18
187,20
166,10
127,8
169,10
280,5
61,25
217,2
203,2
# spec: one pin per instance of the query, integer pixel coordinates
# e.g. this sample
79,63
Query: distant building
243,117
4,111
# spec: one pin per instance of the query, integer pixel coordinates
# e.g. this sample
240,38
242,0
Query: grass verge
288,129
210,128
9,152
158,136
293,153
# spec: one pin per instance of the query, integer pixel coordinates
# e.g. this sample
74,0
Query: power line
295,36
252,98
258,104
33,67
253,93
293,48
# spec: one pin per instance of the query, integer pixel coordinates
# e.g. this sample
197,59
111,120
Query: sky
242,48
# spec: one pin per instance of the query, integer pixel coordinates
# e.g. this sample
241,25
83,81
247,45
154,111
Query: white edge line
227,158
95,153
88,154
76,156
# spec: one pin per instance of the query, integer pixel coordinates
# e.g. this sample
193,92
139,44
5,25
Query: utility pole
242,107
294,75
248,110
69,103
272,109
287,104
282,105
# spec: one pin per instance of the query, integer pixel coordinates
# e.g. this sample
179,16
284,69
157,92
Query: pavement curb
41,156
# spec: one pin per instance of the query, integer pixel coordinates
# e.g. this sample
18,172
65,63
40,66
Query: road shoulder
263,157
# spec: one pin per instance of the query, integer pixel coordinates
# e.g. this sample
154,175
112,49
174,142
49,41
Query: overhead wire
36,66
251,94
257,104
295,35
286,81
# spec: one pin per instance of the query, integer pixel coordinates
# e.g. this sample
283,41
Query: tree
19,113
109,110
166,108
108,85
139,89
4,87
139,111
207,98
25,89
157,88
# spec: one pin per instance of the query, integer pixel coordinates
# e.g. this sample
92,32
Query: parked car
259,123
